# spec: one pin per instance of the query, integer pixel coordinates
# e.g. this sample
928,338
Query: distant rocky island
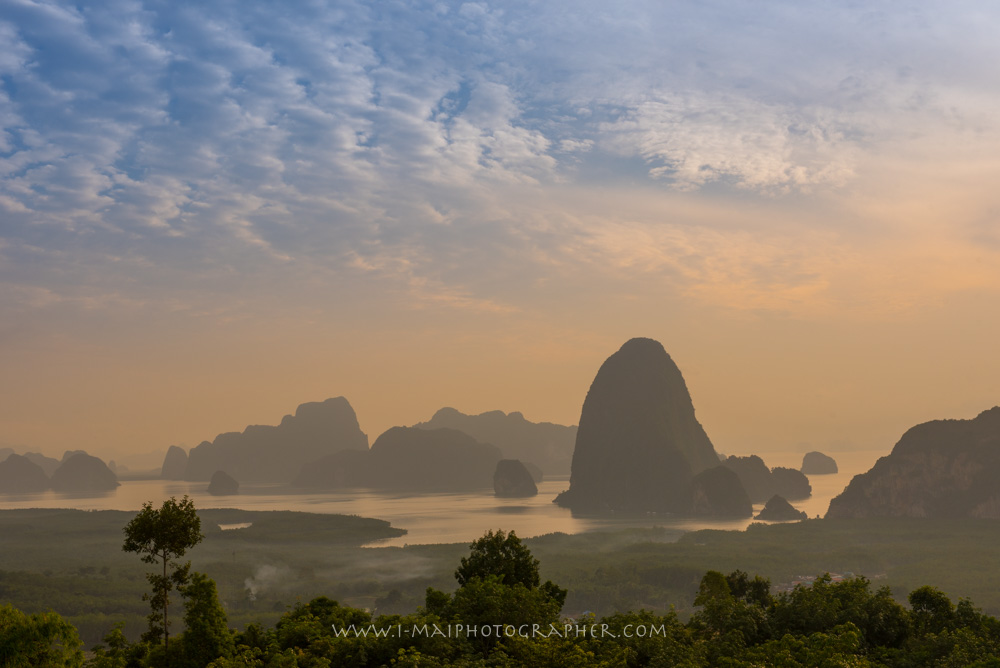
549,446
407,459
941,469
223,484
274,453
77,472
639,445
513,479
761,483
20,475
82,473
174,463
816,463
777,509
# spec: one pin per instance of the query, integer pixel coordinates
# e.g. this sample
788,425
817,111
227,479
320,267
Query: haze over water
442,518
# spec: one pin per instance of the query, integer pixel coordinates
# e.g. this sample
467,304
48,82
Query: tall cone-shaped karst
639,445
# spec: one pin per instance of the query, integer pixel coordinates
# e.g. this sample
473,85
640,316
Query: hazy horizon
211,213
790,456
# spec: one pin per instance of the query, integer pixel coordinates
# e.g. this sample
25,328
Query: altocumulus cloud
220,138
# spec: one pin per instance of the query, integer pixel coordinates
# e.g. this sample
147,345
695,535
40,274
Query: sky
213,211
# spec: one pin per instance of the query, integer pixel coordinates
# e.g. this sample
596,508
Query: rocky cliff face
816,463
944,468
20,475
718,492
512,479
276,453
174,464
639,444
547,445
83,473
406,459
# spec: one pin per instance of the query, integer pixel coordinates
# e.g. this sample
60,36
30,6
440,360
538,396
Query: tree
933,611
502,555
489,601
498,584
756,591
206,634
117,652
161,537
732,610
42,639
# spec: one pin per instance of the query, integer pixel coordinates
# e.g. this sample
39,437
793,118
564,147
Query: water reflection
103,494
511,510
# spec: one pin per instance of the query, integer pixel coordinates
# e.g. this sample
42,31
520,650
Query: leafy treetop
502,555
165,533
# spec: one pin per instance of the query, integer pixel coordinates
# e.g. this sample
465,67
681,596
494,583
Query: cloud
202,141
356,190
696,139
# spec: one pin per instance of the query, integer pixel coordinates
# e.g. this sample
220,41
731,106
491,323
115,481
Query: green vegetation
206,635
162,536
496,620
501,555
498,581
286,559
613,572
71,562
42,639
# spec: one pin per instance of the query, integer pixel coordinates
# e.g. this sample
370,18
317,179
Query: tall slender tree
161,536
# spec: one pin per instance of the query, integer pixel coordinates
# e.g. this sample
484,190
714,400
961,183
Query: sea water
442,518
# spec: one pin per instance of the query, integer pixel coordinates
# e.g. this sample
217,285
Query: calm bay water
441,518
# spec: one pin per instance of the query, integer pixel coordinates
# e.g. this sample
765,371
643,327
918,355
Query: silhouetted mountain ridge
48,464
545,444
407,459
82,473
20,475
943,468
276,453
